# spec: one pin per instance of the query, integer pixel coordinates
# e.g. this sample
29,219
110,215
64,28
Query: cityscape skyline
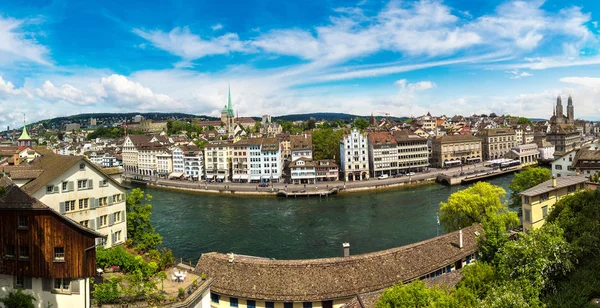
357,57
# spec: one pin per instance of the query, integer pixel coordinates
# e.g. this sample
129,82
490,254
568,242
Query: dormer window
82,166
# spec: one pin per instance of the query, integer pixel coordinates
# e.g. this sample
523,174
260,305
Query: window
59,253
102,201
10,251
251,304
307,305
117,237
82,184
544,197
527,215
288,305
65,186
83,203
233,302
102,221
269,305
525,200
581,186
117,216
24,252
214,297
544,211
82,166
62,284
85,223
558,167
21,282
23,222
572,188
49,189
69,205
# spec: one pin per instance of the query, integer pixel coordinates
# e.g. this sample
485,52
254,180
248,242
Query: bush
181,292
18,300
166,258
107,292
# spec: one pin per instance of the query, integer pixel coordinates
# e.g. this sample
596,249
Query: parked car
263,185
383,177
410,173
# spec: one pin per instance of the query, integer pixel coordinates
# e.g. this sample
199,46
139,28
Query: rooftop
561,182
456,138
332,278
381,138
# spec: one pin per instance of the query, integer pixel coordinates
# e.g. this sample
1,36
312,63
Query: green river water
192,224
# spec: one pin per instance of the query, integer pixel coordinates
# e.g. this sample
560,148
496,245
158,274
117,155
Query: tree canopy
326,143
523,120
473,205
525,179
139,229
360,124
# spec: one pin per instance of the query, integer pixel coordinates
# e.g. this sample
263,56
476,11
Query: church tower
24,141
560,118
227,116
570,111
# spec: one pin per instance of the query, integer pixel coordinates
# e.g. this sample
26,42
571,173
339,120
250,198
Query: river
192,224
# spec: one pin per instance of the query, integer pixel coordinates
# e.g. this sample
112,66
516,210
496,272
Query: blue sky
366,56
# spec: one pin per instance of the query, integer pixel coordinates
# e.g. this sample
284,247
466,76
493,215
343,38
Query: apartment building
217,161
413,152
164,163
526,154
563,165
177,157
301,146
286,149
139,153
78,189
383,154
455,150
539,200
239,162
497,142
303,171
564,137
326,170
193,162
354,156
265,160
44,253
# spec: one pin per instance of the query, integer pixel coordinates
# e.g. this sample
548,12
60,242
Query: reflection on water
192,224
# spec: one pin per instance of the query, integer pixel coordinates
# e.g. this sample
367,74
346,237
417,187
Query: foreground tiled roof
332,278
301,142
561,182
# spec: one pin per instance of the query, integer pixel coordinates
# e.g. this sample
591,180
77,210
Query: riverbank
273,192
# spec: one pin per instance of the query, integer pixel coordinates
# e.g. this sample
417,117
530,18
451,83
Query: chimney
553,181
460,241
16,159
346,249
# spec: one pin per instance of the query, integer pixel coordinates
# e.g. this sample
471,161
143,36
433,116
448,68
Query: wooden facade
45,231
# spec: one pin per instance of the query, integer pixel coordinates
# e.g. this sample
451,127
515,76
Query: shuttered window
75,286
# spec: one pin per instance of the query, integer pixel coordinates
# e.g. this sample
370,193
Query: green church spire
24,135
229,107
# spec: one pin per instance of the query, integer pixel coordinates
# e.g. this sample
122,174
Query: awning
236,177
175,174
266,176
276,177
255,177
474,158
221,176
243,176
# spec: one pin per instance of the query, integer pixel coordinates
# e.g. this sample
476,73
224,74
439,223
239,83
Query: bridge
464,178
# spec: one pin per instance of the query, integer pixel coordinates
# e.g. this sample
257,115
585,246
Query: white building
217,161
193,162
78,189
264,159
546,150
177,154
139,153
354,156
164,163
301,146
303,171
562,165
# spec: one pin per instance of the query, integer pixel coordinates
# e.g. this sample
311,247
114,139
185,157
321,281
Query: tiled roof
332,278
25,174
111,171
382,138
404,136
301,142
497,132
456,138
561,182
244,120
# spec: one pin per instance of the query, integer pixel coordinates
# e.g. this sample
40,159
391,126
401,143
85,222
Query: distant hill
328,116
84,117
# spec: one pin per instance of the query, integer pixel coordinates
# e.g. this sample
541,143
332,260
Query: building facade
383,154
538,201
239,162
562,166
354,156
526,154
303,171
301,147
193,162
413,152
326,170
217,162
496,143
44,253
455,150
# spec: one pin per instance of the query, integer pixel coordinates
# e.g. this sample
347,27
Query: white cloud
66,93
516,74
592,82
17,45
595,23
217,27
121,92
188,46
7,88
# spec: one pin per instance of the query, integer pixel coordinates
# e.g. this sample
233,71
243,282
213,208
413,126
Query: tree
326,143
523,120
495,233
525,179
415,294
536,259
18,299
472,205
311,124
139,229
360,124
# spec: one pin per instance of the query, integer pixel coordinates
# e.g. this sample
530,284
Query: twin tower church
558,116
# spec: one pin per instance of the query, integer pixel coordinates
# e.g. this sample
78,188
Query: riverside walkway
319,189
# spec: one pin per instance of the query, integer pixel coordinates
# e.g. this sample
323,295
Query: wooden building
43,252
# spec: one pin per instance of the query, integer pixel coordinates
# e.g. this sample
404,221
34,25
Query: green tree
536,259
326,143
415,294
139,229
311,124
360,123
477,280
495,231
523,120
525,179
18,299
472,205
